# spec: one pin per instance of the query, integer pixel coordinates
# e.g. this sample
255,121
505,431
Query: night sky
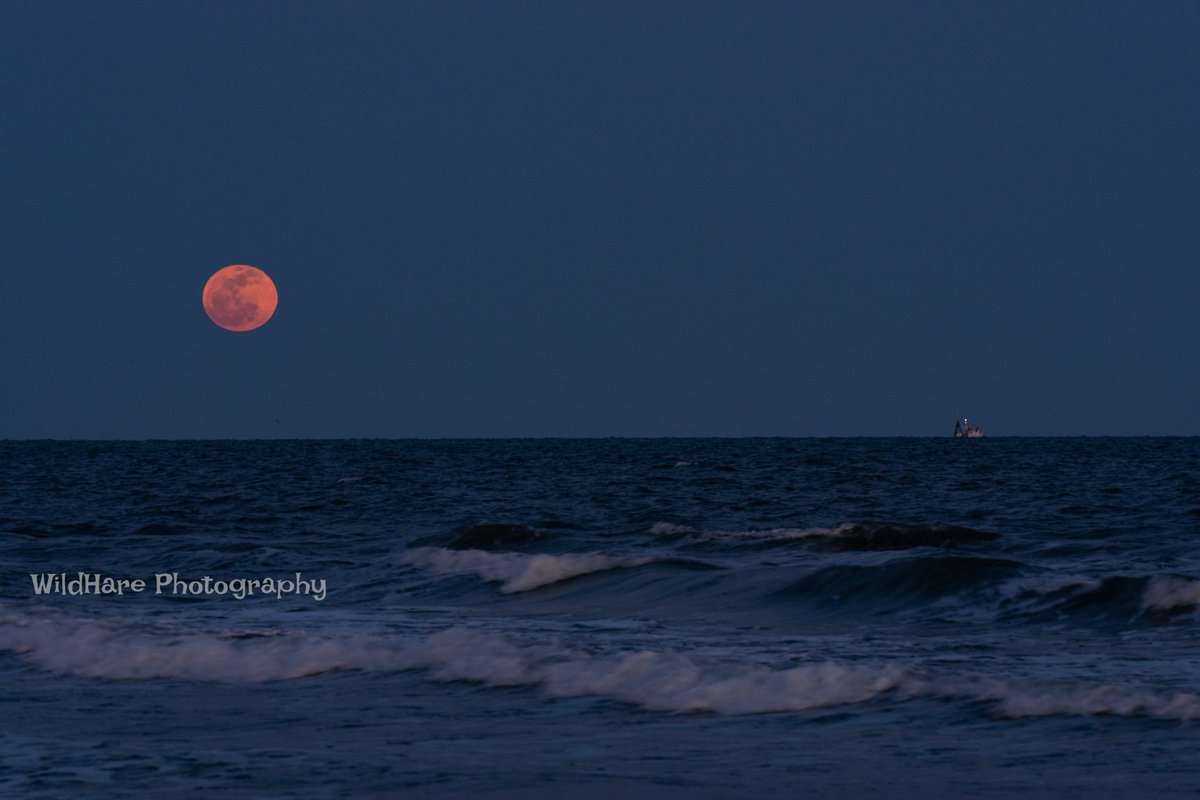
599,218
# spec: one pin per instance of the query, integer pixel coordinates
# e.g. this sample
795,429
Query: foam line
663,681
1166,592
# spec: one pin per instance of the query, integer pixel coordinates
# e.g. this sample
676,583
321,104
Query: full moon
240,297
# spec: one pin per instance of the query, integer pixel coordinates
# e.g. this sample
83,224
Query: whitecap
517,572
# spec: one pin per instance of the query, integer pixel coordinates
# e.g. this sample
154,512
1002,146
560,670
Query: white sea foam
1045,701
658,681
103,649
679,682
1167,592
665,681
661,681
671,529
517,572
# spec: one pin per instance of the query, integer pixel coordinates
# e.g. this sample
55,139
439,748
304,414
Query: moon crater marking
240,297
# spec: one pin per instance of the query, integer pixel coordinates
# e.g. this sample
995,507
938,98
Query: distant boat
964,429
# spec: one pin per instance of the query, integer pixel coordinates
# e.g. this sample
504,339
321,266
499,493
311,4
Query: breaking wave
517,572
847,536
653,680
104,649
660,681
1166,592
1060,700
1121,597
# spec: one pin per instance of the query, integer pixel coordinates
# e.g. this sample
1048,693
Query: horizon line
597,437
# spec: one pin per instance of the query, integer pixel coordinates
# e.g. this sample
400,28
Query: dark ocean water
656,618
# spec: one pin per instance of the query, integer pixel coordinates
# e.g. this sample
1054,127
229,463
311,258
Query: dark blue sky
579,219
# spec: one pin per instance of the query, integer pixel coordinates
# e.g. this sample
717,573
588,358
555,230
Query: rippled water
659,618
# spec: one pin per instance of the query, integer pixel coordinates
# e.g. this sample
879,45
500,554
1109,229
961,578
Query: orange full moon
240,297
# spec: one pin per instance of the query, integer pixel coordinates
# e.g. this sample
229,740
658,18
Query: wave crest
517,572
901,582
1166,592
846,536
656,681
661,681
103,649
1122,597
1121,701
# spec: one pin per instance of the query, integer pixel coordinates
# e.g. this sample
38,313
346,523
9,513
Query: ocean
659,618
